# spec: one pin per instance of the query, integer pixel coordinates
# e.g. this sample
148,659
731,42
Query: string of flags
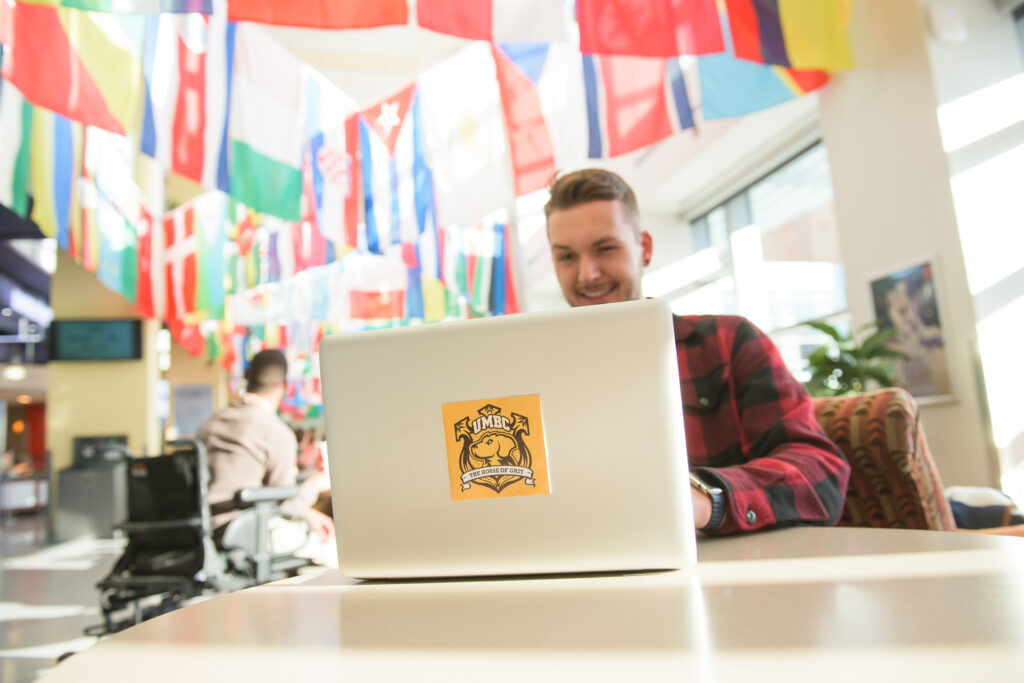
327,215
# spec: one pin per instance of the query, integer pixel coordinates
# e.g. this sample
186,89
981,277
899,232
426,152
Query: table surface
796,604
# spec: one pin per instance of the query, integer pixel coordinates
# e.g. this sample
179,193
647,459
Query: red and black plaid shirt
750,426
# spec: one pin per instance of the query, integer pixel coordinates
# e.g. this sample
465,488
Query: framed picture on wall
906,299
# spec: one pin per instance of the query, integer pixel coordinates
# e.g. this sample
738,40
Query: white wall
894,206
977,71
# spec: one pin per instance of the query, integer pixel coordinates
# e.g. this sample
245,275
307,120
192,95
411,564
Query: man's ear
646,247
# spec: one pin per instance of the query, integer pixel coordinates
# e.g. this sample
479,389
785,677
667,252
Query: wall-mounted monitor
95,340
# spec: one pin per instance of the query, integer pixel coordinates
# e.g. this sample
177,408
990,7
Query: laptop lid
536,443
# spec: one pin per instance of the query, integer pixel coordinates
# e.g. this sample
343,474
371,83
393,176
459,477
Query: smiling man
757,455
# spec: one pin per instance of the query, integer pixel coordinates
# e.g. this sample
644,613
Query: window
1018,18
771,254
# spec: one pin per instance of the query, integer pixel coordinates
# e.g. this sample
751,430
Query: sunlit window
1018,18
771,254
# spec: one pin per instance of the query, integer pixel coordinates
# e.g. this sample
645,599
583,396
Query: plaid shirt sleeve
750,426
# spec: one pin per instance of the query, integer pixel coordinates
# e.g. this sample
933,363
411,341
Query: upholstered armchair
893,479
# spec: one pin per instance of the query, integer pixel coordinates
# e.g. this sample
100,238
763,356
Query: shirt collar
257,400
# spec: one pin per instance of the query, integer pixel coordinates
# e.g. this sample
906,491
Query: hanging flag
499,300
481,246
330,164
267,125
188,336
397,184
132,6
429,260
187,64
455,271
464,137
55,160
308,247
179,257
511,299
212,341
78,64
319,14
533,155
6,10
16,134
211,216
792,33
118,207
375,287
83,239
145,298
555,71
734,87
653,28
538,21
633,102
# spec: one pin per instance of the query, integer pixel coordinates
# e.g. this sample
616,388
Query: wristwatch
717,496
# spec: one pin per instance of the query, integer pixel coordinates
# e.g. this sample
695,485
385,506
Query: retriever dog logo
494,453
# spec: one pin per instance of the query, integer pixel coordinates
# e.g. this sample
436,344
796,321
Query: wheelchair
171,558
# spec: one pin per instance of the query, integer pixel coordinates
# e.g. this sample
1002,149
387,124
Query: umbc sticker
496,448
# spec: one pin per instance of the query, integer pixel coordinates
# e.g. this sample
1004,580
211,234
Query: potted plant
843,366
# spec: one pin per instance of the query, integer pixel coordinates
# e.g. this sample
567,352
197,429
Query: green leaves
843,366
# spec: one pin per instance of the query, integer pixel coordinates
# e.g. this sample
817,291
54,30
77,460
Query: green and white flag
15,138
266,125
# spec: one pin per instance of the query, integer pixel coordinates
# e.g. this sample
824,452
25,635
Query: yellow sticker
496,448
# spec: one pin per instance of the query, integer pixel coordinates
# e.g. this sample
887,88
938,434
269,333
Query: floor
47,595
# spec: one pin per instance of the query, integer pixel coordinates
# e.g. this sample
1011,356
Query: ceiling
369,64
34,385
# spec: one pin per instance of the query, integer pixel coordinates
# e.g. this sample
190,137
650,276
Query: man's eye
565,258
606,248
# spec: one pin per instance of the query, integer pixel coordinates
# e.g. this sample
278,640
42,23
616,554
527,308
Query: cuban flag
398,186
187,64
633,102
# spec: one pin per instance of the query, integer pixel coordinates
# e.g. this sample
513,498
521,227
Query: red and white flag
180,247
319,14
524,21
649,28
187,86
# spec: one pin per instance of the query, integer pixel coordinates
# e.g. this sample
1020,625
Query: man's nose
588,269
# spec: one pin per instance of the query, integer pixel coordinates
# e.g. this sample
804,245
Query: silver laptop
536,443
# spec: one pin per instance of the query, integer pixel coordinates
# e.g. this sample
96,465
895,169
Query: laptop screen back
536,443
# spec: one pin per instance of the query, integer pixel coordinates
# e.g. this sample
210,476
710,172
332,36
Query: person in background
249,446
758,456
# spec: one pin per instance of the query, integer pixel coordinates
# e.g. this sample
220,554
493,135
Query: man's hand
321,524
701,508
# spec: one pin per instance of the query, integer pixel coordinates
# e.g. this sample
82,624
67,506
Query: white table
798,604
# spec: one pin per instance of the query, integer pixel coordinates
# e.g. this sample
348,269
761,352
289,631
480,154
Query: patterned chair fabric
893,479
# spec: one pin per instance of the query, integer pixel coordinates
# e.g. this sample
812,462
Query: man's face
597,255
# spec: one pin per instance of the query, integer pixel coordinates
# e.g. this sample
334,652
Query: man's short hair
267,370
590,185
